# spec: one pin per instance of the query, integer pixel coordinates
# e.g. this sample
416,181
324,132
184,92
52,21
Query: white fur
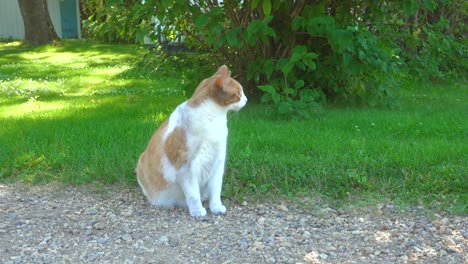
201,177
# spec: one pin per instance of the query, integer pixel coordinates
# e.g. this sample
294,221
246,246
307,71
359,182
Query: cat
183,164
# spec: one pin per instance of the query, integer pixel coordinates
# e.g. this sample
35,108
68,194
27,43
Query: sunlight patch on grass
34,109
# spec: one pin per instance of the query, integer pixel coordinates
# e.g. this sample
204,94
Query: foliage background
298,54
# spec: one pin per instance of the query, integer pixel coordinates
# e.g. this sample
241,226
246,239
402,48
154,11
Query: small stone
163,239
451,249
127,238
126,229
442,252
283,208
323,256
339,220
404,258
19,223
269,239
99,226
244,244
282,250
367,251
448,241
96,255
127,213
306,234
92,211
331,248
88,232
12,216
258,245
271,260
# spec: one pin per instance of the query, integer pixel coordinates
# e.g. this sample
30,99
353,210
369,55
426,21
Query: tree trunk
38,27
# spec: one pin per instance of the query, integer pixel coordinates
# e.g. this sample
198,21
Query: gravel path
54,224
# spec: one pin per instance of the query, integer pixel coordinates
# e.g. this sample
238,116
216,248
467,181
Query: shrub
298,54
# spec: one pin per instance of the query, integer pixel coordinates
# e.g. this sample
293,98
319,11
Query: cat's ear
222,76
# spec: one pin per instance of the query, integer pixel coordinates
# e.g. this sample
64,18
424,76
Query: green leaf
140,35
308,60
361,54
268,68
341,40
308,95
233,37
252,29
254,4
347,57
276,97
311,55
259,30
290,91
298,52
201,21
431,5
266,98
284,108
363,41
410,7
166,3
287,67
299,84
297,23
267,20
267,7
321,25
267,88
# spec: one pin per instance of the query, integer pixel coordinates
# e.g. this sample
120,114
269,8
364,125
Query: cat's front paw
218,210
198,212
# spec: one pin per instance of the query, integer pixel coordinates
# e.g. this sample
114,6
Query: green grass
78,112
82,112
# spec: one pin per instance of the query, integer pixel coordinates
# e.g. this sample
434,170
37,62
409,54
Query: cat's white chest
206,131
206,135
205,124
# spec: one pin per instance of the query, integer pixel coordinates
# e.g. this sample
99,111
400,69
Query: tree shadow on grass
80,134
91,143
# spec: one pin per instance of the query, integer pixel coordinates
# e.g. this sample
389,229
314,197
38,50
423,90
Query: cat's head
220,89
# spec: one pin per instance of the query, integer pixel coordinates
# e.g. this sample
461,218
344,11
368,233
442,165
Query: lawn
82,112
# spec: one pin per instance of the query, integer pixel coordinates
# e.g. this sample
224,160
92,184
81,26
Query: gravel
87,224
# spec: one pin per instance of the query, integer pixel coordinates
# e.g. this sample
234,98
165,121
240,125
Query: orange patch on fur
201,93
149,168
175,147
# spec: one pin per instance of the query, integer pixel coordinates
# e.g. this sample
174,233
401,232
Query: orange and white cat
183,164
